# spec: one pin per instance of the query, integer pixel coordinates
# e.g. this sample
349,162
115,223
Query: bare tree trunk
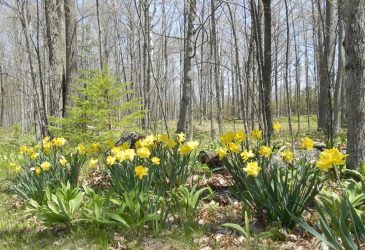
218,91
188,56
41,111
324,102
71,50
2,96
54,12
266,70
355,81
286,73
339,79
99,35
238,71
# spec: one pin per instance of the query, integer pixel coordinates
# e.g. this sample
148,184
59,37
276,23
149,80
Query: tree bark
54,12
266,70
337,102
355,81
188,56
325,46
71,50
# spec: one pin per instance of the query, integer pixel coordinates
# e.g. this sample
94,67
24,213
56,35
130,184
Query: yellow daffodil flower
228,137
45,166
181,137
129,154
92,163
141,171
234,147
23,149
143,152
47,147
247,155
252,169
17,169
221,152
307,143
37,170
59,142
184,149
63,161
287,156
265,151
110,160
170,143
256,134
277,127
34,156
81,149
155,160
192,144
240,136
330,157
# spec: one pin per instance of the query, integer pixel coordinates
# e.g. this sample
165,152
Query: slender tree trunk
339,79
324,102
188,56
266,70
71,50
287,72
2,96
218,91
101,63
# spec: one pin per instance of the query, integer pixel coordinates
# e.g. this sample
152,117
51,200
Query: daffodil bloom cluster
146,142
188,147
164,138
15,167
232,137
59,142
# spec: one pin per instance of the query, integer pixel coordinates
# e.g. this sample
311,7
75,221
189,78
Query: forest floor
20,230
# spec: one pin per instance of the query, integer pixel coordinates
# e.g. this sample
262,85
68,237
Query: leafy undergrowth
19,230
